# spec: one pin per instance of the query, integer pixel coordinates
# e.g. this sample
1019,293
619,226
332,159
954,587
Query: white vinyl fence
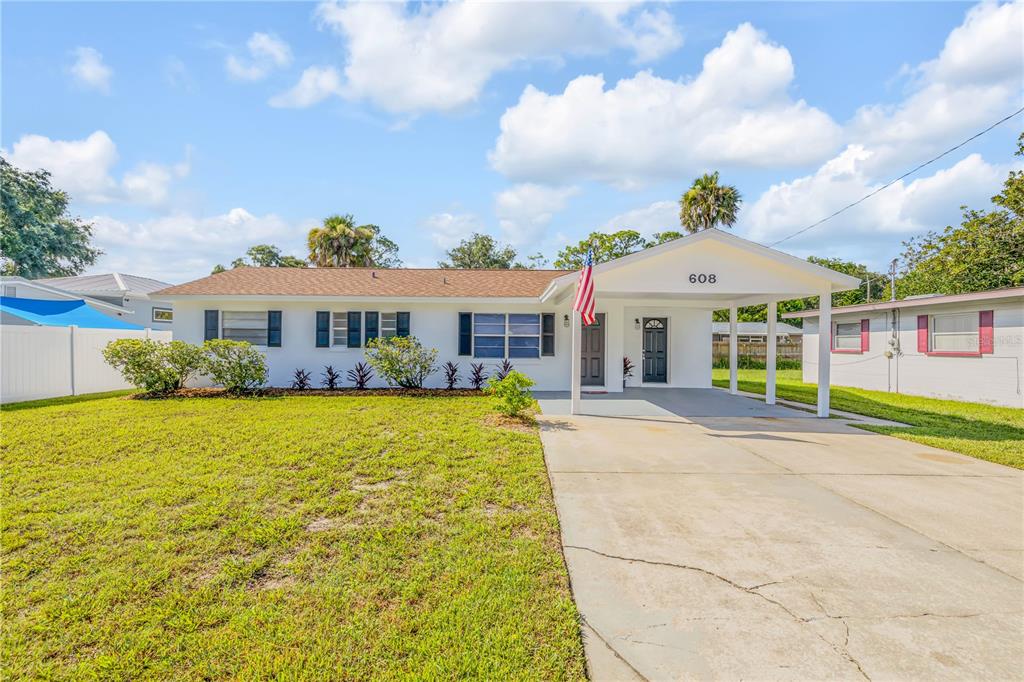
48,362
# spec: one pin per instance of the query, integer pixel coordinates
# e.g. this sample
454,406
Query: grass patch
987,432
288,538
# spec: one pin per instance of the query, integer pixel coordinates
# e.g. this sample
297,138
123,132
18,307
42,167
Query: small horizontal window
249,326
955,333
847,336
163,315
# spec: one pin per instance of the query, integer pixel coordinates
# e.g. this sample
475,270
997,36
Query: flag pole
576,391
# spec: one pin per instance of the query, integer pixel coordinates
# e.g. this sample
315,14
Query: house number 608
703,279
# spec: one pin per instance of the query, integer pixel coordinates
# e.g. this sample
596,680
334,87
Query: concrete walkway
723,547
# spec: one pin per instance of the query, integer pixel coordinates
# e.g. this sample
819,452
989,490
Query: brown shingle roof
401,282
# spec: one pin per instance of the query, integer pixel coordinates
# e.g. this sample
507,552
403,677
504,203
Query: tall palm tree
339,243
707,204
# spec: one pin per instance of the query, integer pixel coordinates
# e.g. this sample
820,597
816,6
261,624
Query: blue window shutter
372,325
323,329
402,326
274,328
354,329
465,333
547,331
212,328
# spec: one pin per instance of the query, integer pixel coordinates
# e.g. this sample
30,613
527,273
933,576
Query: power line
893,182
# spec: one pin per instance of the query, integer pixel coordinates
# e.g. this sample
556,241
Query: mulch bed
333,393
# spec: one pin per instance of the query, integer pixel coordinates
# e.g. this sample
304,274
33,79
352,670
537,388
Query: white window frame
507,335
265,328
162,310
383,329
932,333
836,336
344,328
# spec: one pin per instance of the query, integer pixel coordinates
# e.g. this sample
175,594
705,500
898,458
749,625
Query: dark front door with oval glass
655,350
592,345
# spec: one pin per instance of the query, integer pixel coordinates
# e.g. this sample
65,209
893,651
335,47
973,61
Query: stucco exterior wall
436,326
994,378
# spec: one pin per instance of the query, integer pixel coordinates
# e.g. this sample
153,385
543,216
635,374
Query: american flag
584,303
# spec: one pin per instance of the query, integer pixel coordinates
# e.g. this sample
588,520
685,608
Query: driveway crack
615,652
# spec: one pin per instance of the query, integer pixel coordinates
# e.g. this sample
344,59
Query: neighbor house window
163,315
10,291
512,335
847,336
246,325
954,333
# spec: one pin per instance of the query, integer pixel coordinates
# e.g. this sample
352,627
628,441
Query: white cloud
736,112
440,57
182,246
524,211
448,229
316,84
904,209
83,168
660,216
265,53
89,71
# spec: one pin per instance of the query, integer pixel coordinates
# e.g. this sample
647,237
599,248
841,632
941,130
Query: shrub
512,391
360,375
331,377
155,366
235,365
300,379
401,360
627,368
747,362
478,376
503,370
451,374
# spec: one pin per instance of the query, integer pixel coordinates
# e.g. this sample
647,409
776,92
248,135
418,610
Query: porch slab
667,402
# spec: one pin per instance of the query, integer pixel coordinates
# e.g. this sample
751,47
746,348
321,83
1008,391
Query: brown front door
592,345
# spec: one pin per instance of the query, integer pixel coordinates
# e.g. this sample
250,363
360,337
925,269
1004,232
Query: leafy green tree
986,251
383,251
666,236
263,256
606,247
480,252
37,236
708,204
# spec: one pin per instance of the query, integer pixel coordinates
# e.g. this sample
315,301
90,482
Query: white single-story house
653,306
961,347
755,332
130,292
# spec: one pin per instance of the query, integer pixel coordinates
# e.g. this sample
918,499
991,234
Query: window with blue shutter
354,329
323,331
465,333
372,325
403,324
274,328
212,326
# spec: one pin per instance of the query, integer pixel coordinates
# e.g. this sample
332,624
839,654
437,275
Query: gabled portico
656,310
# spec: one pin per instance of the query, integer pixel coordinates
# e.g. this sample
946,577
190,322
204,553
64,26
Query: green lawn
982,431
285,538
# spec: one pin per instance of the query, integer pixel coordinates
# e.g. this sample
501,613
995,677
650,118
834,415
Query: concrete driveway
782,547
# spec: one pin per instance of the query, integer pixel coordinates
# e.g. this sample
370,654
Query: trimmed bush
155,366
746,362
512,392
235,365
401,360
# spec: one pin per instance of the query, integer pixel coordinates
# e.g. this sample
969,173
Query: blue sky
188,131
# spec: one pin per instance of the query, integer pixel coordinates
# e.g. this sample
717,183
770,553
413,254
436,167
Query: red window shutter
985,336
922,333
865,336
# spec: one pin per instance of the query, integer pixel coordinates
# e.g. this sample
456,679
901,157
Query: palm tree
707,204
339,243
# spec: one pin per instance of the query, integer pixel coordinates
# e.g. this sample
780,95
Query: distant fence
754,351
49,362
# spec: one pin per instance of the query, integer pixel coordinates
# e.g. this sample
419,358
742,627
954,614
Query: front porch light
565,320
636,323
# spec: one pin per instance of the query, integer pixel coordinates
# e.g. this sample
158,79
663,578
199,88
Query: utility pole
892,279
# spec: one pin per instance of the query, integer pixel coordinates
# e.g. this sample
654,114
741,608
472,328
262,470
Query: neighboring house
31,302
653,306
130,292
963,347
754,332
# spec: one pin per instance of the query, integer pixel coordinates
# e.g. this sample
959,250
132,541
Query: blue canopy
60,313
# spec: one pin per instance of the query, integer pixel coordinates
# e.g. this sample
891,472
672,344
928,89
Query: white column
824,351
575,398
769,382
733,370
